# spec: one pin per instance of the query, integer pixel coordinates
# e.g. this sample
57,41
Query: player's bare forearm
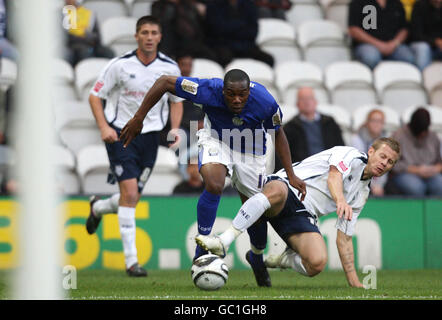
97,111
346,254
160,87
135,125
176,114
336,187
283,151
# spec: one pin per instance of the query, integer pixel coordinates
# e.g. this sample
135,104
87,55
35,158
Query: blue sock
206,214
258,238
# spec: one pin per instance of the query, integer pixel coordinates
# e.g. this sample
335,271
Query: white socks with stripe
109,205
247,215
126,221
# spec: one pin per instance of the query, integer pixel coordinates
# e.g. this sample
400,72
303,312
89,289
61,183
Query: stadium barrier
390,234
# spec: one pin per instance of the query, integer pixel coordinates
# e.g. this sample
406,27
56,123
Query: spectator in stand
372,129
381,35
182,23
273,8
232,27
310,132
83,38
419,169
7,49
426,32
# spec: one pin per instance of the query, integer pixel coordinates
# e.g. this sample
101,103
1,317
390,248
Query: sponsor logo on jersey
189,86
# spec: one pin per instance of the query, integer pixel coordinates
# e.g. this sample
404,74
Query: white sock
296,263
250,212
126,220
109,205
228,236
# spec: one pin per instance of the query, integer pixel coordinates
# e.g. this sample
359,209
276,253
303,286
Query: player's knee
129,197
317,263
214,187
276,192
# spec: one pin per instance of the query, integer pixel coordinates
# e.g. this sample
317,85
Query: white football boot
212,244
280,261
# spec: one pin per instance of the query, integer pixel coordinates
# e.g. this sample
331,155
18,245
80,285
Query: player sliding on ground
232,143
338,180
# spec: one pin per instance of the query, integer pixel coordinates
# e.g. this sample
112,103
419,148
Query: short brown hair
148,20
392,143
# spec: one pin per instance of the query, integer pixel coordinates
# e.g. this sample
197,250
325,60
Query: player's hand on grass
355,284
131,130
109,135
299,185
343,209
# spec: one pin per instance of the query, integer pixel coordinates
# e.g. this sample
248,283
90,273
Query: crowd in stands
223,30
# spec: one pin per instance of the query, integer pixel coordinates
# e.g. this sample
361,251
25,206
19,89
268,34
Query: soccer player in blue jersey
235,108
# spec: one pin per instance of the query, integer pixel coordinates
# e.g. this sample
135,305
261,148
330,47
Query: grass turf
287,285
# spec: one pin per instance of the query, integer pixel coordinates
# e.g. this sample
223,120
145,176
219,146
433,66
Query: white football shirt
123,84
314,171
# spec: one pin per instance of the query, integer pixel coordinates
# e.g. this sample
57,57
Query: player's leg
98,207
129,197
214,175
271,200
308,255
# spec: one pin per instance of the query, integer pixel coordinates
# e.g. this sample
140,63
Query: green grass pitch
287,285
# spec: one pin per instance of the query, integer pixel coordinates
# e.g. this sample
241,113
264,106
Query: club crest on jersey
189,86
237,121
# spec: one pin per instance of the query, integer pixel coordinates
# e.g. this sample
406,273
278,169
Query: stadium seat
288,112
433,82
64,88
258,71
165,175
86,73
8,73
139,8
341,116
105,9
93,168
118,33
206,69
302,11
322,42
290,76
336,11
281,45
76,125
392,118
435,113
399,85
67,179
350,84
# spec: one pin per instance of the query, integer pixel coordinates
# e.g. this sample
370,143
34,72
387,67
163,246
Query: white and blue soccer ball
209,272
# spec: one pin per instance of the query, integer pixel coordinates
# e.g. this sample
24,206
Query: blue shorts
294,217
135,161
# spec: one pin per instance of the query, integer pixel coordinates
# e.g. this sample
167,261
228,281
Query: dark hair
148,20
420,121
236,75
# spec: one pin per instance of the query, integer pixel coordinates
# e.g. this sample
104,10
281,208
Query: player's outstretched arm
160,87
346,254
336,187
283,151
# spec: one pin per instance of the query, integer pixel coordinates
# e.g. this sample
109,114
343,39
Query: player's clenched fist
131,130
109,135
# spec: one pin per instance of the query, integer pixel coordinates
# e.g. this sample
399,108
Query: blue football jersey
243,132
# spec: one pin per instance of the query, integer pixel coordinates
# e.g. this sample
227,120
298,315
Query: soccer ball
209,272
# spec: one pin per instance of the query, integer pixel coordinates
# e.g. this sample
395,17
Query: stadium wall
390,234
